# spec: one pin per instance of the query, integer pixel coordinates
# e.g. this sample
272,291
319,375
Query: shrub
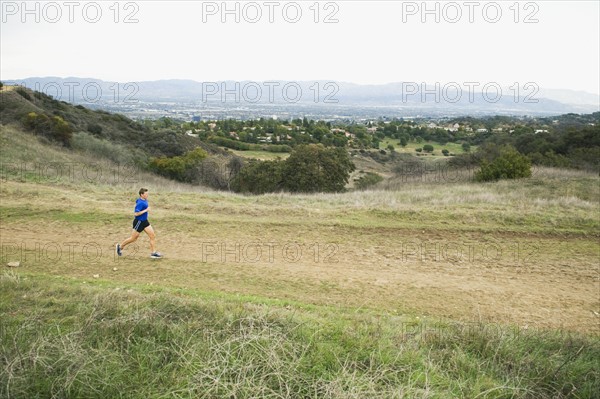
510,164
418,149
102,148
23,93
94,128
229,143
445,152
54,128
367,180
428,148
180,168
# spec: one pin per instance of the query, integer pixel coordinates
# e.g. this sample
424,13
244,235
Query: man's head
144,193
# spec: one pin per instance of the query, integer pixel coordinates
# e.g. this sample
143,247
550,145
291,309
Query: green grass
63,338
370,325
454,148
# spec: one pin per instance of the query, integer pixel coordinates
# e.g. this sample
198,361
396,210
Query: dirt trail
551,289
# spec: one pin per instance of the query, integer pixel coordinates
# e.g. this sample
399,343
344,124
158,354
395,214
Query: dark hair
143,190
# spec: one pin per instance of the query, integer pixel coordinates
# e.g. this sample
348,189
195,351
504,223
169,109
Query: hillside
16,103
429,289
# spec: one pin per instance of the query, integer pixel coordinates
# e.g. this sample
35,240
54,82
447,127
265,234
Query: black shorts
140,225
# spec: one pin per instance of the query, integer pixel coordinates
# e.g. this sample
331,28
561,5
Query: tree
315,168
259,177
466,147
428,148
390,147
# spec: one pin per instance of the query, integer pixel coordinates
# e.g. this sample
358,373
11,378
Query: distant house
481,130
371,130
541,131
453,128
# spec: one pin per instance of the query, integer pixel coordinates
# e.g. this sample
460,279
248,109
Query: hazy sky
554,44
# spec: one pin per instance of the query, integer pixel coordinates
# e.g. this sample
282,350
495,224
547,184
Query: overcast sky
554,44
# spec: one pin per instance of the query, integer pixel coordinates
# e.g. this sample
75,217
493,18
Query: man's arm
136,214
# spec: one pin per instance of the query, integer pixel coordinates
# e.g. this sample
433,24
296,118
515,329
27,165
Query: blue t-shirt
140,205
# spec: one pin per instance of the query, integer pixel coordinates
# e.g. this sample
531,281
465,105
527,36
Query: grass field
454,148
427,291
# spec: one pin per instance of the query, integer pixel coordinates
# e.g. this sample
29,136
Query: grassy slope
184,328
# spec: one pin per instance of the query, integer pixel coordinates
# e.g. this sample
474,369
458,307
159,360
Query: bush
418,149
445,152
101,148
428,148
94,128
229,143
179,167
218,171
367,180
51,127
510,164
23,93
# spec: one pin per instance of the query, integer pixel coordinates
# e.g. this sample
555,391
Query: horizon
265,80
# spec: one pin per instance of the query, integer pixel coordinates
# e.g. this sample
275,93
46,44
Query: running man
141,223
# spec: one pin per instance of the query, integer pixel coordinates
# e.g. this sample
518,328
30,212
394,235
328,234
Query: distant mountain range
455,98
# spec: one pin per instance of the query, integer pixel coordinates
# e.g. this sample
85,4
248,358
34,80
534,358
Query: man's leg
150,231
133,238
